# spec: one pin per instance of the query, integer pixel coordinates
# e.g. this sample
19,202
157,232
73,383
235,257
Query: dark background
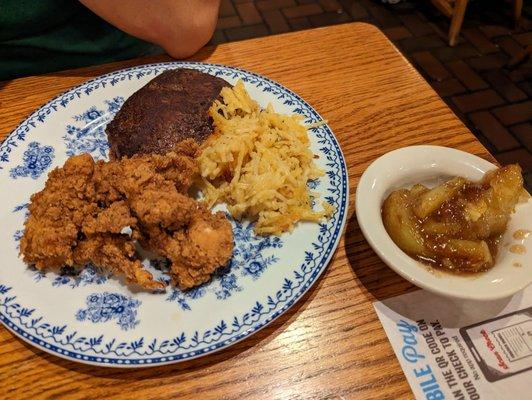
494,101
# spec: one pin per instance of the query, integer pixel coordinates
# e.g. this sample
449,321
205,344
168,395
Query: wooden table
330,344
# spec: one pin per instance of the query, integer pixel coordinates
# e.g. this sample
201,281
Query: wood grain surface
330,344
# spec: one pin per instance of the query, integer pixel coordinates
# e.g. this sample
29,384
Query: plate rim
126,361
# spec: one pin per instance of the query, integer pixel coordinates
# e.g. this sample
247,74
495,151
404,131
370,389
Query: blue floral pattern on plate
265,277
102,307
89,275
37,159
17,235
88,134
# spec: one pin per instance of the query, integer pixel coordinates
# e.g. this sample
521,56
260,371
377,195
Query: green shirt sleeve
40,36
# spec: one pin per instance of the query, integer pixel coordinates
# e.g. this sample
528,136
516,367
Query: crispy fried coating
197,250
80,216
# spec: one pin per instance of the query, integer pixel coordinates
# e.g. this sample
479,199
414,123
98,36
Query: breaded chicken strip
80,216
196,251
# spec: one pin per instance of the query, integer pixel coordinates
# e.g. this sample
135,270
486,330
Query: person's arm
180,27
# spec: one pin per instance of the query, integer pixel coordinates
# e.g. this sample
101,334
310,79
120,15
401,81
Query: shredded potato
259,163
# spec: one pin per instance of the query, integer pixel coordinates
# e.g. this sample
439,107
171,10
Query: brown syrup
521,234
517,249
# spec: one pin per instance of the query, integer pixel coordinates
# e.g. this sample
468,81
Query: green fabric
39,36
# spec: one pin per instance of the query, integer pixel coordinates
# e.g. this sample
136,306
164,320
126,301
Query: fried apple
456,225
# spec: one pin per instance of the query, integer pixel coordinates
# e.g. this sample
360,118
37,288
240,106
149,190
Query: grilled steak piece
168,109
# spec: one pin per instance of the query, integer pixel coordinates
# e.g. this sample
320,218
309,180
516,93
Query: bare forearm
181,27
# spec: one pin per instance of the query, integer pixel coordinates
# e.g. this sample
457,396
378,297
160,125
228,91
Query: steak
170,108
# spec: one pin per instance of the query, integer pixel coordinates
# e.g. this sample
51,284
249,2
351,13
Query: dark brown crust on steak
170,108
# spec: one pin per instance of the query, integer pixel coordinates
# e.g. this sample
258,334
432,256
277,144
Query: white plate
431,165
96,319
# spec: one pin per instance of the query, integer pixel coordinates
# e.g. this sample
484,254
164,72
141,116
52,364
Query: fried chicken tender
196,251
80,216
